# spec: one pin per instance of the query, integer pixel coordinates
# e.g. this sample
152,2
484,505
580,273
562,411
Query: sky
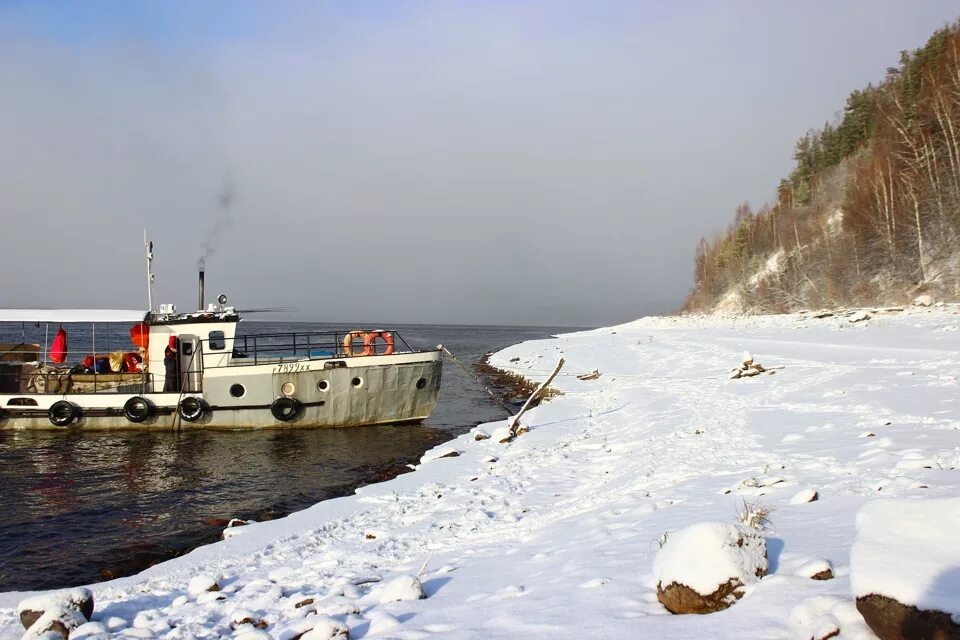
484,162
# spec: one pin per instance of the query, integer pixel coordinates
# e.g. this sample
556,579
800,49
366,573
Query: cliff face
871,212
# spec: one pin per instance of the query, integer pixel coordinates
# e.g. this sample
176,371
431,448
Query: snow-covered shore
554,534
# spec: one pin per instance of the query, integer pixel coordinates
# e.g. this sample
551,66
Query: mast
148,246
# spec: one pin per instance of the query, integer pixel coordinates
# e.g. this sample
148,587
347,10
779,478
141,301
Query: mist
501,163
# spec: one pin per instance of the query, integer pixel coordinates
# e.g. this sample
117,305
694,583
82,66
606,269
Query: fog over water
443,162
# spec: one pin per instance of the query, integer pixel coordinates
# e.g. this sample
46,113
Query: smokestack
201,291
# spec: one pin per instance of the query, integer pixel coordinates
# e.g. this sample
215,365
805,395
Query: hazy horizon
498,163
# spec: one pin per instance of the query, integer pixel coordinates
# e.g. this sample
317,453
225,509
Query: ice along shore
555,533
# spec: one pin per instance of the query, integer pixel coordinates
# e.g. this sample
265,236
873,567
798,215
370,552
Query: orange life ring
369,346
348,340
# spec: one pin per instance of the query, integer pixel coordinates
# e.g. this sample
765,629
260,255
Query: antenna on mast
148,246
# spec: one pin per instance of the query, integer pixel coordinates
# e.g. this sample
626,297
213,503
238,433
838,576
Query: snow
555,533
400,588
202,584
907,550
706,555
772,266
88,629
804,496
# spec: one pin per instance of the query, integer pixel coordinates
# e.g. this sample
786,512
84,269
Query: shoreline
560,526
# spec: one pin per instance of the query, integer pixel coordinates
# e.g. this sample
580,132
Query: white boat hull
348,392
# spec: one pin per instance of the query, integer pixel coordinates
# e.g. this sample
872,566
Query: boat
193,370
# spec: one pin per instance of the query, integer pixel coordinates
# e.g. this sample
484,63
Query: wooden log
515,428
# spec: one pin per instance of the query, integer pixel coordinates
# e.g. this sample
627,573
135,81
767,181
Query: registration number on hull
291,367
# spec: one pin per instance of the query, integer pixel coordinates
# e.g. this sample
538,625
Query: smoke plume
221,222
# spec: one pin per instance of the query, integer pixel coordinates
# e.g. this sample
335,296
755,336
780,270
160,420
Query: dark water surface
77,508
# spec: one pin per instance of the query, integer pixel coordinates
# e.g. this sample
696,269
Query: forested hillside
871,212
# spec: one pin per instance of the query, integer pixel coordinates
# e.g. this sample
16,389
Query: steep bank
870,213
555,533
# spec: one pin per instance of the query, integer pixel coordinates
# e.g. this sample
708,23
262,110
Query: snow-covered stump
704,567
905,568
59,612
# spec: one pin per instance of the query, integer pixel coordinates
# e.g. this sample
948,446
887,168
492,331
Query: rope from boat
478,381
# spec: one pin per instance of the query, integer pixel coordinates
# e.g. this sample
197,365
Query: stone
703,567
924,300
858,316
201,584
679,598
804,496
892,620
826,632
57,621
326,628
401,588
79,600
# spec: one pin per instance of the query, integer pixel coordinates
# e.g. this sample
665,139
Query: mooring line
478,381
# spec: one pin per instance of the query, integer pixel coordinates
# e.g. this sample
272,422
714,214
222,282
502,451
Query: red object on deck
58,350
140,335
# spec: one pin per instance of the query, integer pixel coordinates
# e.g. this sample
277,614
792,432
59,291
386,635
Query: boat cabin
86,351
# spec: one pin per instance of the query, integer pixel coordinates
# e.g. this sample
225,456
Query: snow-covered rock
58,604
202,584
58,621
819,569
804,496
381,622
89,629
703,567
858,316
325,628
905,567
924,300
402,587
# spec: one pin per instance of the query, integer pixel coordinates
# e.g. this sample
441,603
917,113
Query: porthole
421,383
323,385
288,388
357,382
237,390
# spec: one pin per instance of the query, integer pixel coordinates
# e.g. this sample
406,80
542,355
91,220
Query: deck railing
300,345
31,375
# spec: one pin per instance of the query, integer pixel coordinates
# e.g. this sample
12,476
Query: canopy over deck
72,315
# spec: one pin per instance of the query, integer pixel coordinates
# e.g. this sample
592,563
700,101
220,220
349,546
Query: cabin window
21,402
237,390
217,341
358,382
421,383
323,385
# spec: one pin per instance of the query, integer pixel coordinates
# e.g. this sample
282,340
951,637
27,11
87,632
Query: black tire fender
191,408
285,408
62,413
137,409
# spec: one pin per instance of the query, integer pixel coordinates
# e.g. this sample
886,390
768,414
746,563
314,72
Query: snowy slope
554,535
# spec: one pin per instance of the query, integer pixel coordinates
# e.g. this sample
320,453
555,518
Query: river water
77,508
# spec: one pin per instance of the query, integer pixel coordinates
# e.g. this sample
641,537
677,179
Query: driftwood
593,375
750,368
515,427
